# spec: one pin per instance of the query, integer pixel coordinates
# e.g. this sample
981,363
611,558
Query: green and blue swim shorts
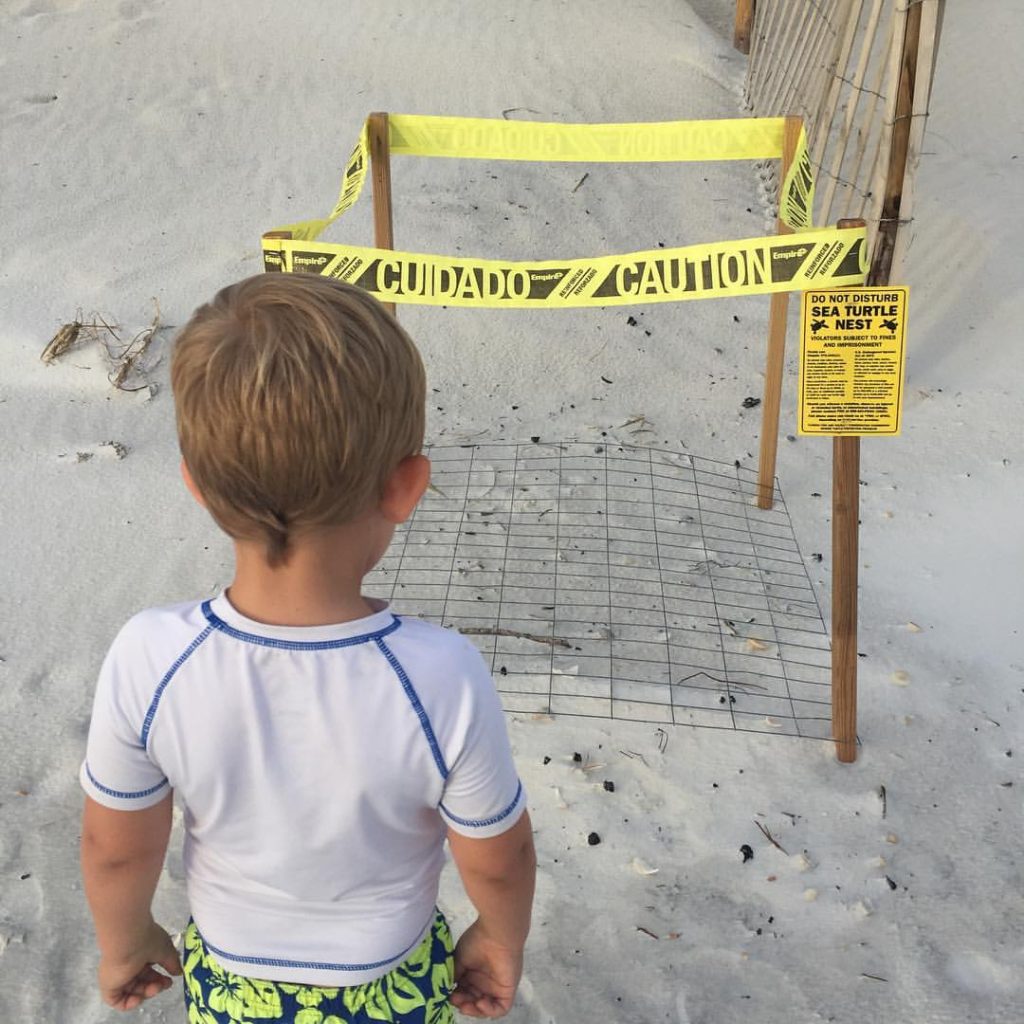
414,992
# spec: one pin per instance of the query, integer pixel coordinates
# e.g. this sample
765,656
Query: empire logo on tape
822,258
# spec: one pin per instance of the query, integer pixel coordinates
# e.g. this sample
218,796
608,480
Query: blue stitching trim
295,645
486,821
124,796
148,720
312,965
414,700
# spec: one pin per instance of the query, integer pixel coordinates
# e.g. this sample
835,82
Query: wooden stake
878,181
845,512
846,450
775,362
744,25
380,164
885,242
931,20
845,556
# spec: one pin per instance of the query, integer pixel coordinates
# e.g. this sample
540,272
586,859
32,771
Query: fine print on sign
852,357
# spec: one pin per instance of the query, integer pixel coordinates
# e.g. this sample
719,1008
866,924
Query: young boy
321,748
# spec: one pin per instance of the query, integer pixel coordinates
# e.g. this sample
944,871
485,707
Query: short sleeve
117,771
483,795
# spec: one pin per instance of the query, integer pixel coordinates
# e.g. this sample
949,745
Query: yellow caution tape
828,257
823,258
479,138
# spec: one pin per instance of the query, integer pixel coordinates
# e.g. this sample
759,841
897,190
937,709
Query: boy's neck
320,584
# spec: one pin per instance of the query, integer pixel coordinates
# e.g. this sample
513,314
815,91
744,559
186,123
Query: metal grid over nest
618,582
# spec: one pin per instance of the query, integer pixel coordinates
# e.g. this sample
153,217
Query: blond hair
296,396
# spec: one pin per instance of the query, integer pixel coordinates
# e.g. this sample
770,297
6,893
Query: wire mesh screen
619,583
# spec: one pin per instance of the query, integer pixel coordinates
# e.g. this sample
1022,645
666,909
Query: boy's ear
404,488
191,484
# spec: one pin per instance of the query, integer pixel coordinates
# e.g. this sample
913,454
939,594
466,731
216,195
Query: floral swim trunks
414,992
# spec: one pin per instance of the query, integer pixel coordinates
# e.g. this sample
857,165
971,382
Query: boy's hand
486,975
128,982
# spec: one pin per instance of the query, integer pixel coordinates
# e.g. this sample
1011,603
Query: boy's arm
122,856
498,875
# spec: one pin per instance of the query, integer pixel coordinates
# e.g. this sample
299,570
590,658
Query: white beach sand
147,145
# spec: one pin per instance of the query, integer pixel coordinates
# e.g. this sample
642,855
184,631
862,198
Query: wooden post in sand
744,25
895,173
846,450
845,548
845,557
776,343
380,164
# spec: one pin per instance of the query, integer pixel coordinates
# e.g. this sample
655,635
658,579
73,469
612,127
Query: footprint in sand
43,7
981,975
116,450
130,10
527,994
682,1017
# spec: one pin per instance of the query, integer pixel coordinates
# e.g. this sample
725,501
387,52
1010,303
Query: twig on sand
771,839
128,358
554,641
632,754
124,357
646,931
69,334
62,341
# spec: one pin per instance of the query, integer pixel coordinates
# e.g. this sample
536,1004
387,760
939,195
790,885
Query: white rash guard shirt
318,769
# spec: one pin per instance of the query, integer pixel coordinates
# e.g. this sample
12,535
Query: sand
148,145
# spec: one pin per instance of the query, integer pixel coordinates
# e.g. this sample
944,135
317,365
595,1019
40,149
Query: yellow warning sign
852,357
